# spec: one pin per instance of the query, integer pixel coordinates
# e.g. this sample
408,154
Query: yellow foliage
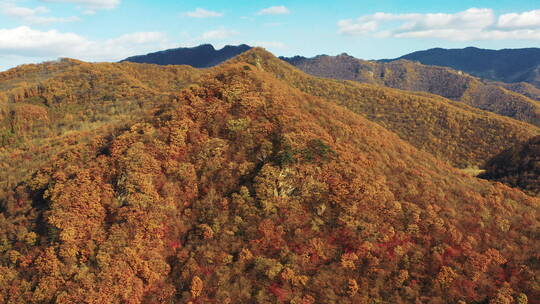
245,255
353,287
207,231
196,287
348,260
446,276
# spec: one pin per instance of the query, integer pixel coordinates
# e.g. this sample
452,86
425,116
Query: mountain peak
202,56
255,55
205,46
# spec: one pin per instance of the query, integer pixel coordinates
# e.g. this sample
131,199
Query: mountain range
460,134
507,65
413,76
254,182
516,100
202,56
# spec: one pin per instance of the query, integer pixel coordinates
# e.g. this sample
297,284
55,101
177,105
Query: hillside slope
48,107
201,56
452,131
518,167
245,190
412,76
507,65
523,88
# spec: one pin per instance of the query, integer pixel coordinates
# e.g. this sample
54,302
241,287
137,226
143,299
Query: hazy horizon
33,31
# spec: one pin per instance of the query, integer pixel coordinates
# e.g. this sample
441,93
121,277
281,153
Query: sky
33,31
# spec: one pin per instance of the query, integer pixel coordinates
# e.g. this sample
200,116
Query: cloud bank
31,15
471,24
28,42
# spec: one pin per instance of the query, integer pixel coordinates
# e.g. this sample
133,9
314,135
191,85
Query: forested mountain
452,131
241,188
446,82
202,56
46,108
518,167
507,65
523,88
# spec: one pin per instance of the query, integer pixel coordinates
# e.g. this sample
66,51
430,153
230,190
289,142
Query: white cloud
11,9
31,15
350,27
28,42
523,20
25,41
471,24
469,35
221,33
90,4
274,10
202,13
269,44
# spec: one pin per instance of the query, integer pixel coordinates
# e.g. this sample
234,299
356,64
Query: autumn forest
255,181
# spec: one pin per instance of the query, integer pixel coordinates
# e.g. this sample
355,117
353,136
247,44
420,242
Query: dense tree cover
413,76
46,108
33,73
452,131
523,88
518,167
246,190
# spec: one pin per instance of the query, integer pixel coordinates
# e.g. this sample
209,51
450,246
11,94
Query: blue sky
109,30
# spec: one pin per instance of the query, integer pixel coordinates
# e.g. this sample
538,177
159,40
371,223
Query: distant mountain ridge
202,56
506,65
512,100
